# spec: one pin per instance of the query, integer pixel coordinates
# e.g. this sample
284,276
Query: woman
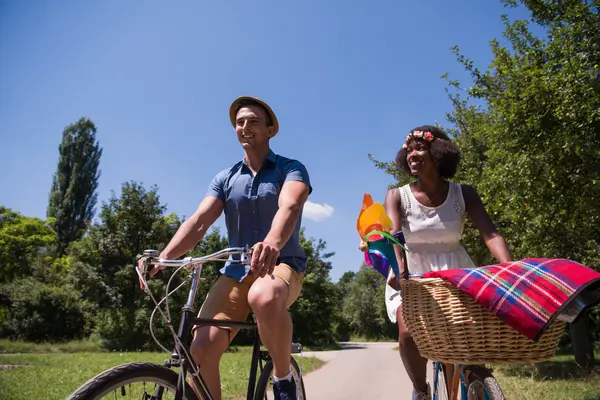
431,212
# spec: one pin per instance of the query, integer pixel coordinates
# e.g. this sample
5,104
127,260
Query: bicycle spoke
477,392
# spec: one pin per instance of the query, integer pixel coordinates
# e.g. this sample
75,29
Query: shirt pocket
269,190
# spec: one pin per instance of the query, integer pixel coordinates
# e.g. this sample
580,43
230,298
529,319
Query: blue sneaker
285,390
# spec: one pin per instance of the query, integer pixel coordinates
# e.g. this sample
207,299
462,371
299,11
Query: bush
127,329
40,312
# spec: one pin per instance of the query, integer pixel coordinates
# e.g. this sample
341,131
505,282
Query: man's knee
268,294
209,344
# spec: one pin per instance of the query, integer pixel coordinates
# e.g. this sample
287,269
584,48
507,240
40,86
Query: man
262,196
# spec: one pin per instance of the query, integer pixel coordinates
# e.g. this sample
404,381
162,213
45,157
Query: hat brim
233,113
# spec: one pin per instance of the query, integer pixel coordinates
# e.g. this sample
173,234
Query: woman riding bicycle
431,212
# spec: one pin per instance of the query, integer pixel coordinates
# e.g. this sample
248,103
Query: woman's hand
363,246
392,281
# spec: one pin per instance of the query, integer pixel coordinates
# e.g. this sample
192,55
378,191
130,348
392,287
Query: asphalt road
362,371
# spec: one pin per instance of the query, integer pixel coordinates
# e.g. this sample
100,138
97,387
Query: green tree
533,148
343,328
22,240
363,307
103,264
73,194
529,130
315,312
42,312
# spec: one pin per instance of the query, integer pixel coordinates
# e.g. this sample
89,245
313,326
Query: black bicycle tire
119,375
483,375
263,380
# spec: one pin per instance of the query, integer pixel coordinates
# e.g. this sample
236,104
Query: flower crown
427,136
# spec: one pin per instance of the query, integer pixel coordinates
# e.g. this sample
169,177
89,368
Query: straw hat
233,113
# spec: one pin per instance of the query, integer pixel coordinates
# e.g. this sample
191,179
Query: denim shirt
250,204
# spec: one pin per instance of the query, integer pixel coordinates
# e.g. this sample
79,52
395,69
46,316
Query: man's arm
291,201
194,228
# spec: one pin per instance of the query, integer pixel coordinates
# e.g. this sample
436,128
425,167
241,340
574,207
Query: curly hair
444,152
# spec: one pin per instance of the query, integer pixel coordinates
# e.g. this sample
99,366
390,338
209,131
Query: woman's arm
392,206
480,218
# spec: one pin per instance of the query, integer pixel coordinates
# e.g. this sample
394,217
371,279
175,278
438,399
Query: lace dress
432,237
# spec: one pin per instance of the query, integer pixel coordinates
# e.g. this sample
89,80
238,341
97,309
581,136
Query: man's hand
264,259
153,271
140,268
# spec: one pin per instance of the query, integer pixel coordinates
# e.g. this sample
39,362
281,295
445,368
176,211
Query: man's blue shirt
251,203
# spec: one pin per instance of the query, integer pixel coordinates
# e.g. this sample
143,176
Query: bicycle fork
454,380
256,367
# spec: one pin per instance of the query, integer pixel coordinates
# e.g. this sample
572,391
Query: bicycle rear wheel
481,385
157,381
265,381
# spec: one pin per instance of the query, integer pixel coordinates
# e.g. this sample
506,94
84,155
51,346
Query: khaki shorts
227,299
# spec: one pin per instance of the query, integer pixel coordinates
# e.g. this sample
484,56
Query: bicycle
163,377
472,382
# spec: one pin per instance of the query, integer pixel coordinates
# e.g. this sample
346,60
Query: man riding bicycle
262,196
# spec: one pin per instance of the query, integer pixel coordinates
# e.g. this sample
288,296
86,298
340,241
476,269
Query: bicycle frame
186,323
455,378
180,357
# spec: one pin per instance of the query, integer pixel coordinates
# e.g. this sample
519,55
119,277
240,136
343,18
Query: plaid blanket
529,294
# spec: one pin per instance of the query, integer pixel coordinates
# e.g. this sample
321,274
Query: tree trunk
581,339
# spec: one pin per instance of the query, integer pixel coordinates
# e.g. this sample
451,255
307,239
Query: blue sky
345,79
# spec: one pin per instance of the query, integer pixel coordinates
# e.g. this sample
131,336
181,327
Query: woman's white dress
432,237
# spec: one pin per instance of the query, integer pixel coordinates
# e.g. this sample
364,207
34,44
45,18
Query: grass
54,375
558,378
17,346
357,338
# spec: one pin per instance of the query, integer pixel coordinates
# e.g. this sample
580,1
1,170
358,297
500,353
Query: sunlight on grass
17,346
55,376
557,379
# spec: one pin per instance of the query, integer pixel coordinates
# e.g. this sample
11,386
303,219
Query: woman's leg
415,365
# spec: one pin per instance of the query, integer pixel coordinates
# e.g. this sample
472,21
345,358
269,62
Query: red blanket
529,294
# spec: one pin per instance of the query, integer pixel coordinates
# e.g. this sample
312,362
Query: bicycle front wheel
481,385
265,382
135,380
440,381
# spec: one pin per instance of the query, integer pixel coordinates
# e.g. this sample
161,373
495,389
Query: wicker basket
449,326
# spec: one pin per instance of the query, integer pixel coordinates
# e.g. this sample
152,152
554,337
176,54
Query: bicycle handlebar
190,262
